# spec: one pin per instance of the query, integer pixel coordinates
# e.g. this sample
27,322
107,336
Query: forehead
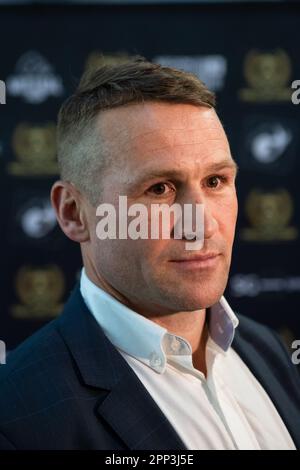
140,132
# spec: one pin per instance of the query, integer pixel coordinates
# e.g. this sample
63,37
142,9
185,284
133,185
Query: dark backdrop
248,54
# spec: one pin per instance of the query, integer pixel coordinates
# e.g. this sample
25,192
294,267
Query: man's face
167,153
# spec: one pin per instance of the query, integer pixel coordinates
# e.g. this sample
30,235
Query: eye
159,189
214,181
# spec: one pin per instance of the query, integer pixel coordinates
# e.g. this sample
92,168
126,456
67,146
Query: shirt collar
144,339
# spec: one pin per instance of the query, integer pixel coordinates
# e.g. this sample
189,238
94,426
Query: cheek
117,260
130,254
227,216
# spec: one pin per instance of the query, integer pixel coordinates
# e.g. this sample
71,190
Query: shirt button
155,360
175,344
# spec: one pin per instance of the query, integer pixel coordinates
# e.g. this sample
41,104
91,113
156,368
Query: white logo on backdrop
269,143
34,79
210,69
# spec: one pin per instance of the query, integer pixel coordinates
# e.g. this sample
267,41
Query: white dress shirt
228,409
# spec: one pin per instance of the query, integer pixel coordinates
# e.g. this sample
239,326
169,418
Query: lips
193,257
197,262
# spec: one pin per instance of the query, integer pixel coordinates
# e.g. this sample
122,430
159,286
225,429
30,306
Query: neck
189,325
193,328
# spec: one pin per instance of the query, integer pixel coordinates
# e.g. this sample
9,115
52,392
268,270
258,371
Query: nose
210,223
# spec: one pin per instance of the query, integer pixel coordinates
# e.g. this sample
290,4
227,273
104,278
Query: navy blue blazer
67,387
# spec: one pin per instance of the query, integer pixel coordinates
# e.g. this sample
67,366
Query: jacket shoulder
38,375
257,333
257,342
32,352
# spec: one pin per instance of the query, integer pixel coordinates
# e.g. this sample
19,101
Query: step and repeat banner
248,55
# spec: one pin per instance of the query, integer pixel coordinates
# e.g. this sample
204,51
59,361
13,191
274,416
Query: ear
69,208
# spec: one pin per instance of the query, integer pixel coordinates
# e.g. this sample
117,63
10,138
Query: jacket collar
144,339
127,407
265,356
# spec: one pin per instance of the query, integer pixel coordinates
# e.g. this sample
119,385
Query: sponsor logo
97,59
35,149
267,75
37,218
269,142
269,214
210,69
252,285
269,145
34,79
40,291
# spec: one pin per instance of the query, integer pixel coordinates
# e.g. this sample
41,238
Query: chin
199,297
201,303
180,302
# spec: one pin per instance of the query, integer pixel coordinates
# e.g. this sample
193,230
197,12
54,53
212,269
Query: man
147,353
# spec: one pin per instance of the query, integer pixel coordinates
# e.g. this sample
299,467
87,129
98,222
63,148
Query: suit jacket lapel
127,407
136,418
276,380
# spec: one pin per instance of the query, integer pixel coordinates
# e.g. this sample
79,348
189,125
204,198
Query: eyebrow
218,166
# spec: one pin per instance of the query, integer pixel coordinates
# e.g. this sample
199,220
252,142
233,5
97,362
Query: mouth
207,261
